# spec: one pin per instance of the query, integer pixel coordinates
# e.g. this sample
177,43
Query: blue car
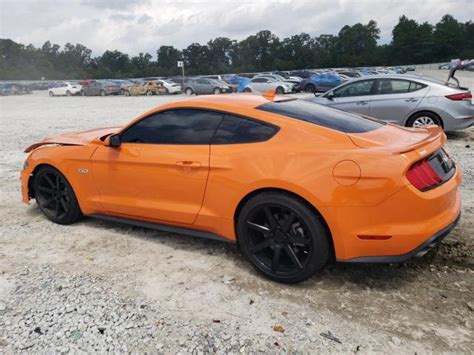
320,82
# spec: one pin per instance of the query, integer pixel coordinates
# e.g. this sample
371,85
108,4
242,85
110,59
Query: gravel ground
97,286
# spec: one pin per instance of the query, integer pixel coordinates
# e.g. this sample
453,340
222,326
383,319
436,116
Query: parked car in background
9,89
262,84
349,73
199,86
279,78
170,87
320,82
123,83
101,88
288,76
304,74
228,79
149,88
410,101
38,85
65,88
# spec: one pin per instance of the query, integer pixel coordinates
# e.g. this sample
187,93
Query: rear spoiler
435,133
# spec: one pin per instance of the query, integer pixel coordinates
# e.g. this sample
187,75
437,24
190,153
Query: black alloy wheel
282,237
55,196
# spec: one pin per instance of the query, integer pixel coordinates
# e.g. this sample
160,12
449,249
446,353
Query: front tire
217,91
51,94
149,93
279,90
247,90
188,91
103,93
282,237
68,93
55,196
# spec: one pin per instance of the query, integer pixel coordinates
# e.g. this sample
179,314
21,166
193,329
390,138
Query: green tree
448,38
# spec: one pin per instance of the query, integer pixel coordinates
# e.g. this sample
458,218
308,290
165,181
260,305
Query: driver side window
181,126
359,88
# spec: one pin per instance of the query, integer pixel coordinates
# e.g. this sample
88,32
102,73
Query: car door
202,86
259,84
60,89
395,99
96,89
353,97
160,170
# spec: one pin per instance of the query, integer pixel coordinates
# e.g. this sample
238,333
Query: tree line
412,43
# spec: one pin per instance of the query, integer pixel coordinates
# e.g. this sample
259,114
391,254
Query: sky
134,26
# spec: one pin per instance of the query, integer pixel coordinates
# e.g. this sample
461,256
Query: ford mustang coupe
294,183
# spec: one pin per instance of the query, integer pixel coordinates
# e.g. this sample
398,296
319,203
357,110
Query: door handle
188,164
411,99
362,102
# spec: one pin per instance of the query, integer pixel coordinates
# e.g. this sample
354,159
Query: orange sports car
294,183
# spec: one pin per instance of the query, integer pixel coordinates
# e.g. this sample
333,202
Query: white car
65,88
262,84
171,88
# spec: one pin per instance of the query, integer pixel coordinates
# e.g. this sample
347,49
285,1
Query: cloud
135,26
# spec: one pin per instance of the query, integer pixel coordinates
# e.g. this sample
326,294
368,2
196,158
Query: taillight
460,97
431,172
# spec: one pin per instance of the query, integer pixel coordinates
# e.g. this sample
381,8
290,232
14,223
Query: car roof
234,100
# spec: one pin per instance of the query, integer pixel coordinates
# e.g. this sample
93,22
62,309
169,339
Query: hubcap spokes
279,239
423,121
52,195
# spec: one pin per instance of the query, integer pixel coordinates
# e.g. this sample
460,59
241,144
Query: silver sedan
411,101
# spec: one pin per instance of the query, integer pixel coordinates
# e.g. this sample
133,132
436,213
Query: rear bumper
395,227
421,250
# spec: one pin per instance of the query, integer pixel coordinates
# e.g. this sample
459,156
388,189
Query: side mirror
113,141
330,95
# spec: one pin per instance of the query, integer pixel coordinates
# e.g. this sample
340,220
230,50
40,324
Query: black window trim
376,86
372,89
277,128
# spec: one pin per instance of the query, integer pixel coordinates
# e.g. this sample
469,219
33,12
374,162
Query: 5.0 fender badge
83,170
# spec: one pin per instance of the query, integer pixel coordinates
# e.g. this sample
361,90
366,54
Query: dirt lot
98,286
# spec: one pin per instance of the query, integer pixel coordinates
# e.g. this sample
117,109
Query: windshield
322,115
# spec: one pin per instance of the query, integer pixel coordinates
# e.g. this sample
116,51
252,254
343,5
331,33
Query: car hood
78,138
399,139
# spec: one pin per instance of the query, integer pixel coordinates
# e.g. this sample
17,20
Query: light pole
181,65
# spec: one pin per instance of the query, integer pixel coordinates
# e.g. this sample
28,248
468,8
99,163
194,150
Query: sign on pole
180,64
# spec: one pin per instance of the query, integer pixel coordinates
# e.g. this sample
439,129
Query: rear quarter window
234,130
322,115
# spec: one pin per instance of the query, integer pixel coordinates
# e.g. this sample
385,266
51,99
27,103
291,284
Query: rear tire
51,94
55,196
126,93
149,93
282,237
311,88
103,93
217,91
422,119
247,90
279,90
83,93
189,91
68,93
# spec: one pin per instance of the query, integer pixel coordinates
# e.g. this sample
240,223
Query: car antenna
269,94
